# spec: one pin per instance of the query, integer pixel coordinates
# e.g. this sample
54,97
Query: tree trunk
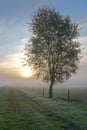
51,90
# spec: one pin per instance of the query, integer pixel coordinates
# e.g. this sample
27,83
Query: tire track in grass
12,118
17,113
35,112
60,117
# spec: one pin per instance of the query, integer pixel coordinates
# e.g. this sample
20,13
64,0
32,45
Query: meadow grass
66,112
21,109
16,113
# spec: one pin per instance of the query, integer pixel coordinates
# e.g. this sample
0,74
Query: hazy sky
14,16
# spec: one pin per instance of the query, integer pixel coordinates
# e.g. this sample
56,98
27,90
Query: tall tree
53,52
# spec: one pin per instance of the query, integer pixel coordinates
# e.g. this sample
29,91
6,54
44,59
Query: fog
77,80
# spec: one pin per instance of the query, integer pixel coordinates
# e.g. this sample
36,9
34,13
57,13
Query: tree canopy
54,50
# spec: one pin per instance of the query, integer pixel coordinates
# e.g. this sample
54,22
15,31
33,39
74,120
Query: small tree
53,51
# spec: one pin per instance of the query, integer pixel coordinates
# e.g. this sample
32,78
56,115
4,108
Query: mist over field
78,80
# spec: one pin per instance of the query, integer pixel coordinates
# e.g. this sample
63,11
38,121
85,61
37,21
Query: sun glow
26,72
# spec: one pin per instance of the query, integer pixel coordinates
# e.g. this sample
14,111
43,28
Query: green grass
68,112
16,113
23,110
79,94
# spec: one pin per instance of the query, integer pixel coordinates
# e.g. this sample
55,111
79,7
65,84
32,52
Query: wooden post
68,95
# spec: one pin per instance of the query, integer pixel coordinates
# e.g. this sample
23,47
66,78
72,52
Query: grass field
79,94
21,109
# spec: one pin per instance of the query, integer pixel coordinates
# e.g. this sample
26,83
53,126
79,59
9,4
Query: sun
26,72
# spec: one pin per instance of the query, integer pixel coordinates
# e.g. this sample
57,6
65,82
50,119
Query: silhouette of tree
54,50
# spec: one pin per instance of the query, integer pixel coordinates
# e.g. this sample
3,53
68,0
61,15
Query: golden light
26,72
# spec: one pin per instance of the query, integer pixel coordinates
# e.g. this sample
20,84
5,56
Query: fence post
68,95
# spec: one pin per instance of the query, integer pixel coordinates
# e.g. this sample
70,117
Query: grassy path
21,111
69,115
18,112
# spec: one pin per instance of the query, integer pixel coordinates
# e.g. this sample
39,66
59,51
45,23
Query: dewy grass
72,114
22,111
17,113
